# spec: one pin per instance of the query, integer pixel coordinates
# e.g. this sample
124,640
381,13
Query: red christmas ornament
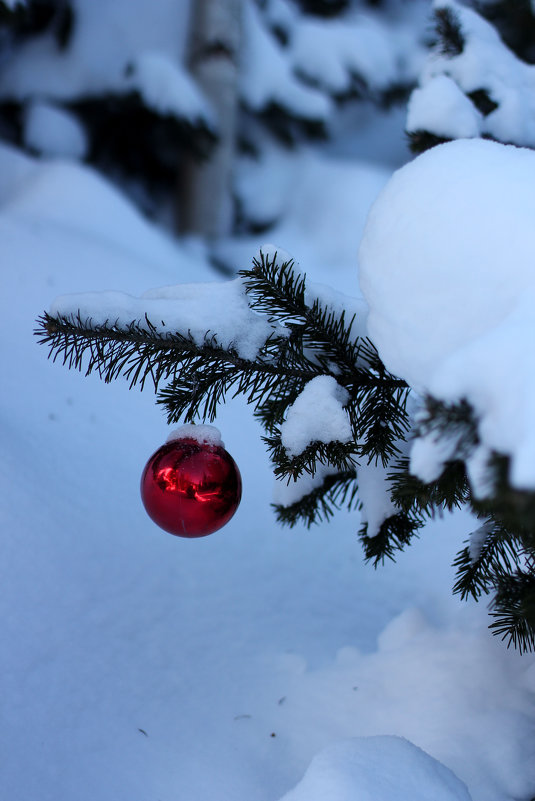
191,486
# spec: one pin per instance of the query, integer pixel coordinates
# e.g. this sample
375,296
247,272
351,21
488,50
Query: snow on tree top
446,265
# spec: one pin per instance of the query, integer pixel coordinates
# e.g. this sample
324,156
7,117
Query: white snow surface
138,665
317,415
327,195
377,769
446,267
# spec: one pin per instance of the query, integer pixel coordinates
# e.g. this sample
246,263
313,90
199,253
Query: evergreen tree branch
338,455
335,491
492,553
413,496
394,534
513,608
135,349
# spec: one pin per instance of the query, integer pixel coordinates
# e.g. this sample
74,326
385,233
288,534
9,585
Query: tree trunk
205,194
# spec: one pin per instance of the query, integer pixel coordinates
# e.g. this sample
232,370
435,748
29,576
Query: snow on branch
451,291
472,84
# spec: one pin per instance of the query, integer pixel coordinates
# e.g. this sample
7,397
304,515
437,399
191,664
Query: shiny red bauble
191,488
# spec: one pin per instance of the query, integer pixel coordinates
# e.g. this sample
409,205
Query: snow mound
446,267
382,768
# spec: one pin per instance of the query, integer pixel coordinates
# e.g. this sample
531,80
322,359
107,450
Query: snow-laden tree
144,91
479,77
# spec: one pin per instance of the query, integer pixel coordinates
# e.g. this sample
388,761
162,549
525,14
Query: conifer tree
145,118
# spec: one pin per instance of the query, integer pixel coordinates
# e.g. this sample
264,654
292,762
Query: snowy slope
136,665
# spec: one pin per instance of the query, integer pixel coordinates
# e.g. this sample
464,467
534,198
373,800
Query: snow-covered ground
140,666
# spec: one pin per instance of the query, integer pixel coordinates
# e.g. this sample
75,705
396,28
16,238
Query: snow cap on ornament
191,485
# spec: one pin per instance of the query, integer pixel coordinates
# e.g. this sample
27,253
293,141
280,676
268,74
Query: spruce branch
423,501
139,351
338,455
452,420
491,554
513,608
319,341
279,292
416,502
394,534
335,491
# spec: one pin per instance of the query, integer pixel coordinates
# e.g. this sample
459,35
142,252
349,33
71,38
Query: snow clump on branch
451,292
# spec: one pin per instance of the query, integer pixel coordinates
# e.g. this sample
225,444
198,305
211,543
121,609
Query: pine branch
335,491
138,351
514,610
413,496
338,455
416,502
201,376
482,565
394,535
278,291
